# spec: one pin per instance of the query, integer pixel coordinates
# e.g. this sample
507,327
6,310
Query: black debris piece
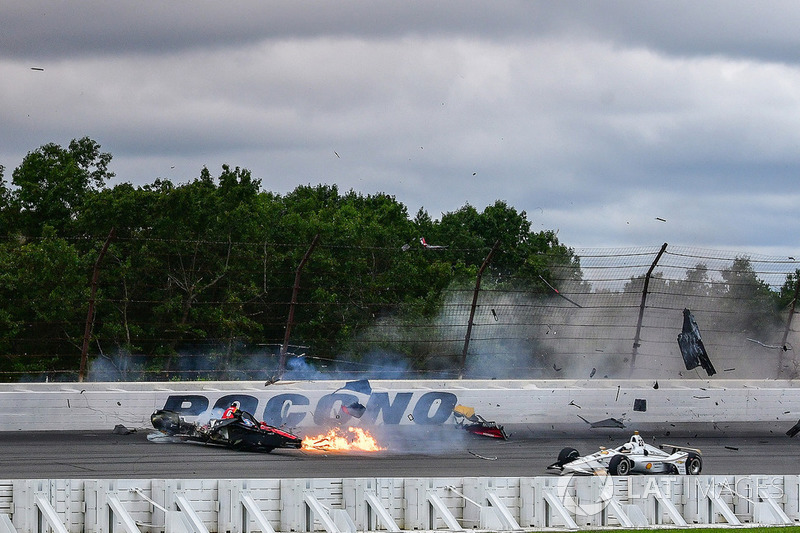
734,448
605,423
794,430
558,293
572,402
360,385
591,374
655,385
617,398
640,404
692,349
556,368
354,409
119,429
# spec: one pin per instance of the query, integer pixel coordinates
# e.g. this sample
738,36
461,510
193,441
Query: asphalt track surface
450,453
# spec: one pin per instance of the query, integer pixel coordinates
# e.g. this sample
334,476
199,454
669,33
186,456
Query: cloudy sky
617,123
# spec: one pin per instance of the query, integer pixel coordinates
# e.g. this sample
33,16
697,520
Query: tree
53,183
754,306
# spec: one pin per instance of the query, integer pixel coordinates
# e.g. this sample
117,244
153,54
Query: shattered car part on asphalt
473,423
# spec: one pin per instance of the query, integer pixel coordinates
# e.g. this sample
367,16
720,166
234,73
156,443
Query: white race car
633,457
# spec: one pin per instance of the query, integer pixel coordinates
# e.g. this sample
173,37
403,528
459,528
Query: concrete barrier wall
740,407
348,505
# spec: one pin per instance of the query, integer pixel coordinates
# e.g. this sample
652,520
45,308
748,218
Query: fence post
636,338
87,332
474,305
290,320
788,323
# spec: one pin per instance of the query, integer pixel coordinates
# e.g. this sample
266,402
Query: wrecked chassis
239,433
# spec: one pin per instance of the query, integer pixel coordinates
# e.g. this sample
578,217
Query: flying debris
40,69
355,409
591,374
337,154
640,405
691,345
361,385
770,346
661,219
605,423
794,430
430,246
558,293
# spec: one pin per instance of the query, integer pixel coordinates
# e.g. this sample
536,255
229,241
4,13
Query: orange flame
336,440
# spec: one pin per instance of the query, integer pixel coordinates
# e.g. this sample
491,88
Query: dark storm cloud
53,29
593,117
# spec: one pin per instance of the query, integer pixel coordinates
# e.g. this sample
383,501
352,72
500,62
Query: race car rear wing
676,448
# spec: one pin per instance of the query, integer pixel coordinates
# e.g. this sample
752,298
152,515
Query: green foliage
52,184
208,267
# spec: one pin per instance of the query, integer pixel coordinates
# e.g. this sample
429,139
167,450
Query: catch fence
162,310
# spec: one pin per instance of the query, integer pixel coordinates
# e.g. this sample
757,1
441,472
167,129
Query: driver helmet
236,405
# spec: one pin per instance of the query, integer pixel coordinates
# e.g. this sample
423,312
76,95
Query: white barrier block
255,513
50,515
509,523
635,516
177,523
343,521
5,524
192,519
381,514
122,514
556,505
444,513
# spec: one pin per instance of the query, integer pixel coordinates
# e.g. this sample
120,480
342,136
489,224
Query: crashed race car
474,424
241,432
633,457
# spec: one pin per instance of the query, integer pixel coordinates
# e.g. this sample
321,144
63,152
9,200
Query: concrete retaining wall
739,407
348,505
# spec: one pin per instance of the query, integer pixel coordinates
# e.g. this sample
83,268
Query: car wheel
567,455
694,464
620,466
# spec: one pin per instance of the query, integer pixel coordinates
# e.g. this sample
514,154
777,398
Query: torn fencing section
691,345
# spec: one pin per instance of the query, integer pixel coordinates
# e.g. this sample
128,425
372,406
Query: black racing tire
567,455
694,464
620,466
